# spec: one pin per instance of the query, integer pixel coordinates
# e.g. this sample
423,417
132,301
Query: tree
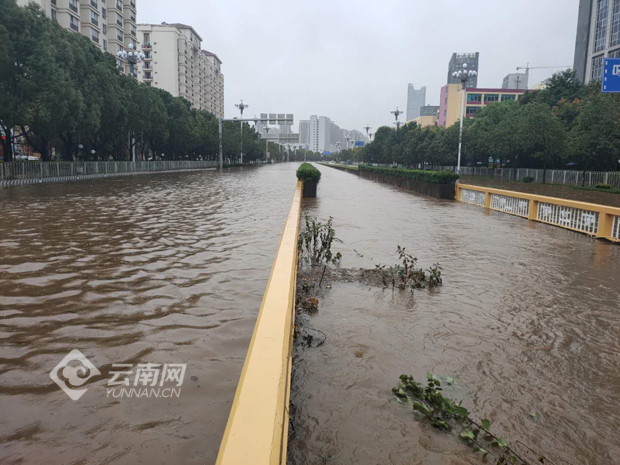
596,136
544,136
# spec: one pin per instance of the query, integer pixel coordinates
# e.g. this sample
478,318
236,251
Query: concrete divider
257,429
588,218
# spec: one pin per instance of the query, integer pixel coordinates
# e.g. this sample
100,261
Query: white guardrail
17,173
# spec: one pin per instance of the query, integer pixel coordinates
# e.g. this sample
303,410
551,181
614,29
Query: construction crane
528,67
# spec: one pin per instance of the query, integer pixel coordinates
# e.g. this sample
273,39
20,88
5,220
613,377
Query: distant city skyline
378,49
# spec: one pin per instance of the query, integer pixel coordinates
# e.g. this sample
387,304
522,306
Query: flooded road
164,269
527,322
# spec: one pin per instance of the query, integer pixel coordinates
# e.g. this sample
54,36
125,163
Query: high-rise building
598,36
175,62
415,100
109,24
515,81
456,63
475,100
320,134
304,132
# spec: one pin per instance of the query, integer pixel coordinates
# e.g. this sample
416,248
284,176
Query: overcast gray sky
351,60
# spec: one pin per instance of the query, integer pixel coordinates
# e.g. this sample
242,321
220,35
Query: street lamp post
396,114
241,106
463,75
133,57
267,143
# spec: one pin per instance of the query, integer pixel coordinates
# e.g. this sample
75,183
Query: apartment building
175,62
598,37
415,100
109,24
475,100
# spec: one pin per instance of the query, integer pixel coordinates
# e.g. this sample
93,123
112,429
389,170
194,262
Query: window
94,35
54,15
93,3
105,29
94,18
105,45
119,36
471,111
615,54
615,25
489,98
147,38
104,13
119,5
507,97
597,68
600,38
73,5
74,23
474,98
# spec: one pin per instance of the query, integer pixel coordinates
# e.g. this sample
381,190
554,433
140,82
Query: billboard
326,153
359,143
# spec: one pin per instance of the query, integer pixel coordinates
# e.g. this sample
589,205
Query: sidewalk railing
43,172
588,218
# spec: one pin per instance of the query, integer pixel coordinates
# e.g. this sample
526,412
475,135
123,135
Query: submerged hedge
307,172
436,177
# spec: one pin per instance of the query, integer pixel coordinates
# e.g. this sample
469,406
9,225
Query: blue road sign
359,143
326,154
611,75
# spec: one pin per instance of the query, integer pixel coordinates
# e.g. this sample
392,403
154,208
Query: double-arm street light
241,106
463,75
133,57
396,114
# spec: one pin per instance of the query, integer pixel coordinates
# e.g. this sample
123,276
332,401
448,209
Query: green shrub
528,179
307,172
436,177
603,186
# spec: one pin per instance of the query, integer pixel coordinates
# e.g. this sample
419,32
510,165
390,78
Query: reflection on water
163,268
527,321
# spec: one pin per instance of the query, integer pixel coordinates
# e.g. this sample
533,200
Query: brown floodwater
527,322
163,268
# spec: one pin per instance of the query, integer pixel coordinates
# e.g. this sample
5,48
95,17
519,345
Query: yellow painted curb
257,429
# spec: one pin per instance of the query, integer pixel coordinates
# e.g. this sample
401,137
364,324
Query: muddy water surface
527,322
165,268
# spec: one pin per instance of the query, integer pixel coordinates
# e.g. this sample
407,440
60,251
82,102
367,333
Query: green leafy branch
447,415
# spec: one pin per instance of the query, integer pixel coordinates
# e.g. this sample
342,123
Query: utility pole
396,114
241,106
221,149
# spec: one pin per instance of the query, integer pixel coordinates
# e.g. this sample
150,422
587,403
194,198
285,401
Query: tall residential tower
456,63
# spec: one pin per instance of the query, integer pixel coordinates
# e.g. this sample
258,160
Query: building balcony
147,46
148,77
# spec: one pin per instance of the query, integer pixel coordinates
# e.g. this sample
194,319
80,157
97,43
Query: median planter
438,184
310,176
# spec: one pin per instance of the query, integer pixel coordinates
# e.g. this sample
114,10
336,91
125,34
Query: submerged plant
315,242
447,415
406,275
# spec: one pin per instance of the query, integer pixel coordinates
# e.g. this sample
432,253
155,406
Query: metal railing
513,205
45,172
473,197
568,177
615,229
586,221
